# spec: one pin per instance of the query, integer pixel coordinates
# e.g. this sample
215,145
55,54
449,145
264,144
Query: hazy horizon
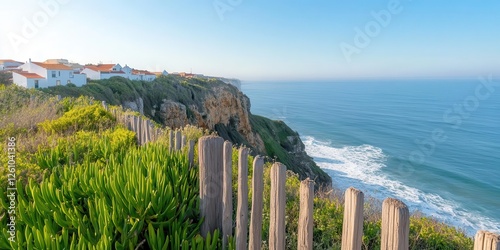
258,41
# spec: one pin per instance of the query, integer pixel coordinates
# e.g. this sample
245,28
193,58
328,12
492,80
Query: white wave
361,167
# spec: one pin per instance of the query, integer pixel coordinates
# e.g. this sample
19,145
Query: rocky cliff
211,104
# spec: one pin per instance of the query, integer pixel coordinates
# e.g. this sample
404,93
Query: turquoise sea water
435,144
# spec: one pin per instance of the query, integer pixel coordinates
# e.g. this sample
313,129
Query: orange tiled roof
29,75
138,72
8,60
53,66
101,67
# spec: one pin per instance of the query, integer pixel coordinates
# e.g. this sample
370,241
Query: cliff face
214,105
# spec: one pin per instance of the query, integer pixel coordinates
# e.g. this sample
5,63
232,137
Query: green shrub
85,145
91,118
148,196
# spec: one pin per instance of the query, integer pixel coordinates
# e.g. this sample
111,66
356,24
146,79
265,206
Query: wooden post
242,207
255,242
178,136
104,105
486,241
139,131
278,203
352,230
147,131
171,141
150,130
305,234
183,141
210,175
227,193
191,152
158,132
133,123
129,123
395,225
135,128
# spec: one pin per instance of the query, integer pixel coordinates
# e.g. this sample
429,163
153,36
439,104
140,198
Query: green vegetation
94,188
84,183
81,118
5,78
280,142
425,233
117,90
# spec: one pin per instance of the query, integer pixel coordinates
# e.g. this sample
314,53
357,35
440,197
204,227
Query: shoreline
341,181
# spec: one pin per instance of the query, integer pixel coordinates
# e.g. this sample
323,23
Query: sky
262,40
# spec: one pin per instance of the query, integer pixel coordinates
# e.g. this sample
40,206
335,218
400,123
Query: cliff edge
208,103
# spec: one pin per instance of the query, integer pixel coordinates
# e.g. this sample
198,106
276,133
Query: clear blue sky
261,40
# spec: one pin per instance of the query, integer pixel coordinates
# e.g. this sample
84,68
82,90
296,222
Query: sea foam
362,167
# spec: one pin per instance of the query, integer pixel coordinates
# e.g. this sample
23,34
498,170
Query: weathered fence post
129,123
395,225
255,241
135,126
147,131
305,234
139,129
486,241
227,193
183,141
104,105
158,133
278,203
171,140
210,175
191,152
352,230
178,136
242,207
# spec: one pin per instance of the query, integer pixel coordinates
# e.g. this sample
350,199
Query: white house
106,71
8,64
42,75
103,71
163,73
142,75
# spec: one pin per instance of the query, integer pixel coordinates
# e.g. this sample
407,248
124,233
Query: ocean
434,144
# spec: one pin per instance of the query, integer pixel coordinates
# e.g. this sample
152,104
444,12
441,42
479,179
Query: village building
42,75
106,71
8,64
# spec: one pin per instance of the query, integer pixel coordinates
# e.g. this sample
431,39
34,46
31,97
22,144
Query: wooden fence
146,131
216,204
215,159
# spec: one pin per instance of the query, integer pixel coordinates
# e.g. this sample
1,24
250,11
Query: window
36,84
53,74
71,74
69,81
59,73
58,82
